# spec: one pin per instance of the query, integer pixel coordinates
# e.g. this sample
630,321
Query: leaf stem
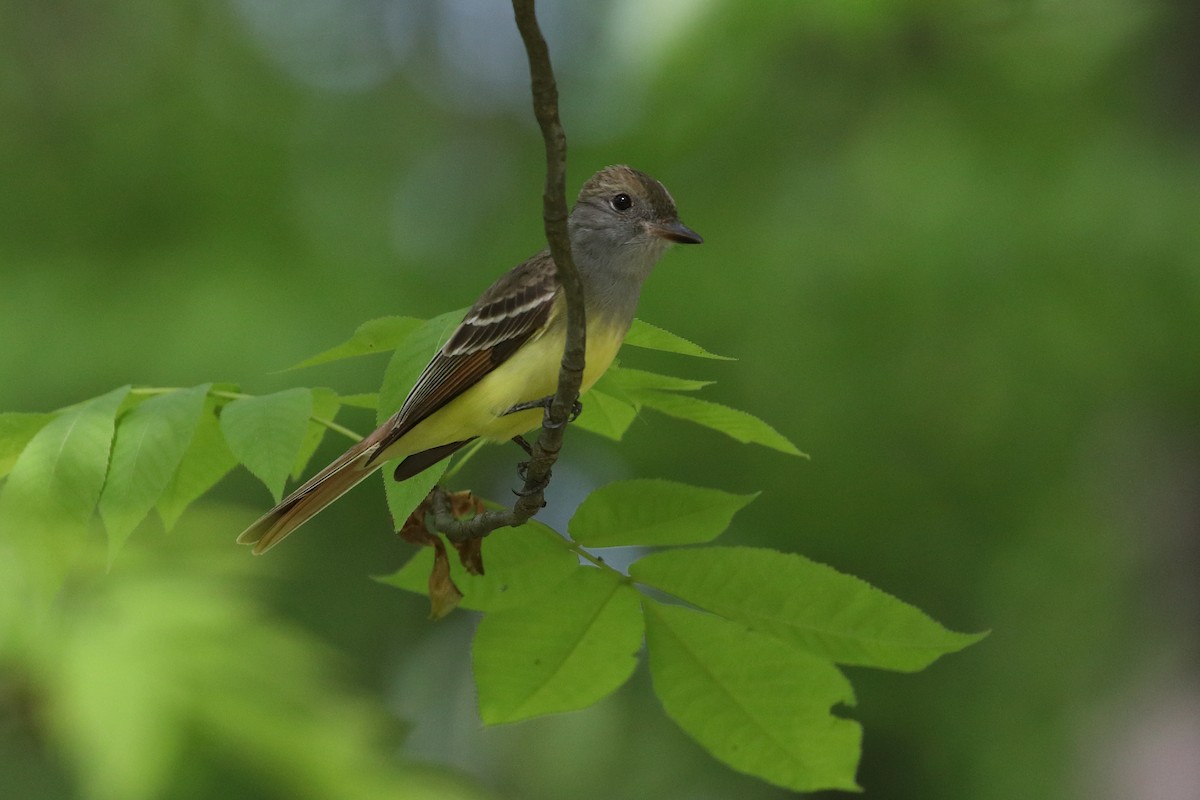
333,426
227,395
578,549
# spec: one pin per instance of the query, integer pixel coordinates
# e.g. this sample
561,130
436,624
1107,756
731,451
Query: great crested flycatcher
505,353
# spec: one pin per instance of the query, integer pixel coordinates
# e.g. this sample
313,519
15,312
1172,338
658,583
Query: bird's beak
675,231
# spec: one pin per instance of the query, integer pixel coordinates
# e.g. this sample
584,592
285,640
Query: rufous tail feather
306,502
328,485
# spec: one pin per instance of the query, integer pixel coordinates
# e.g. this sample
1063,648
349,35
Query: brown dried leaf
444,596
464,505
414,530
470,553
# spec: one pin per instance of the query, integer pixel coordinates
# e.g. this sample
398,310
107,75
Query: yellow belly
529,374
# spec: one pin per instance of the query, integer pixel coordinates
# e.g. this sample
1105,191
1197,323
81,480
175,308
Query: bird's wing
511,312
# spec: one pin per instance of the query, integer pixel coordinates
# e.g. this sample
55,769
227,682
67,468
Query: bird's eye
621,202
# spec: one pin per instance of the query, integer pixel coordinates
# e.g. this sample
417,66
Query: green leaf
573,647
755,703
605,415
150,442
266,433
809,605
325,406
654,512
410,359
746,428
175,649
365,400
205,462
115,700
374,336
402,372
58,477
523,564
405,496
651,337
16,430
219,391
630,383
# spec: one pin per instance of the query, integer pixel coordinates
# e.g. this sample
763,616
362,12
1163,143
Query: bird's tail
306,502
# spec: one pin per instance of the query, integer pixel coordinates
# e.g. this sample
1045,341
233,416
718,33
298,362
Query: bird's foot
525,491
544,404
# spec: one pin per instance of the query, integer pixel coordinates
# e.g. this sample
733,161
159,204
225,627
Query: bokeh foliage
953,247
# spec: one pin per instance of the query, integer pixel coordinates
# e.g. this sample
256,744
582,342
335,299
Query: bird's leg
544,404
523,468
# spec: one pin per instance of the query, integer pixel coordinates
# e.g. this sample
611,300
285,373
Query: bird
490,377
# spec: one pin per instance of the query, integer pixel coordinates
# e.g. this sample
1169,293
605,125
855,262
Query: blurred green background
954,246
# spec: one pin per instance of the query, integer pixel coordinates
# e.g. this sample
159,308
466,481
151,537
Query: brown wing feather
506,316
508,307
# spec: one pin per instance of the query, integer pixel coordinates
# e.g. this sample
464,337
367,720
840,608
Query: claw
544,404
528,405
523,473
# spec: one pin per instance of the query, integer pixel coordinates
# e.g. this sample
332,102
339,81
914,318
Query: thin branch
554,214
531,499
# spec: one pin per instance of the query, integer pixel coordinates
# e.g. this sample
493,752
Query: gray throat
612,283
